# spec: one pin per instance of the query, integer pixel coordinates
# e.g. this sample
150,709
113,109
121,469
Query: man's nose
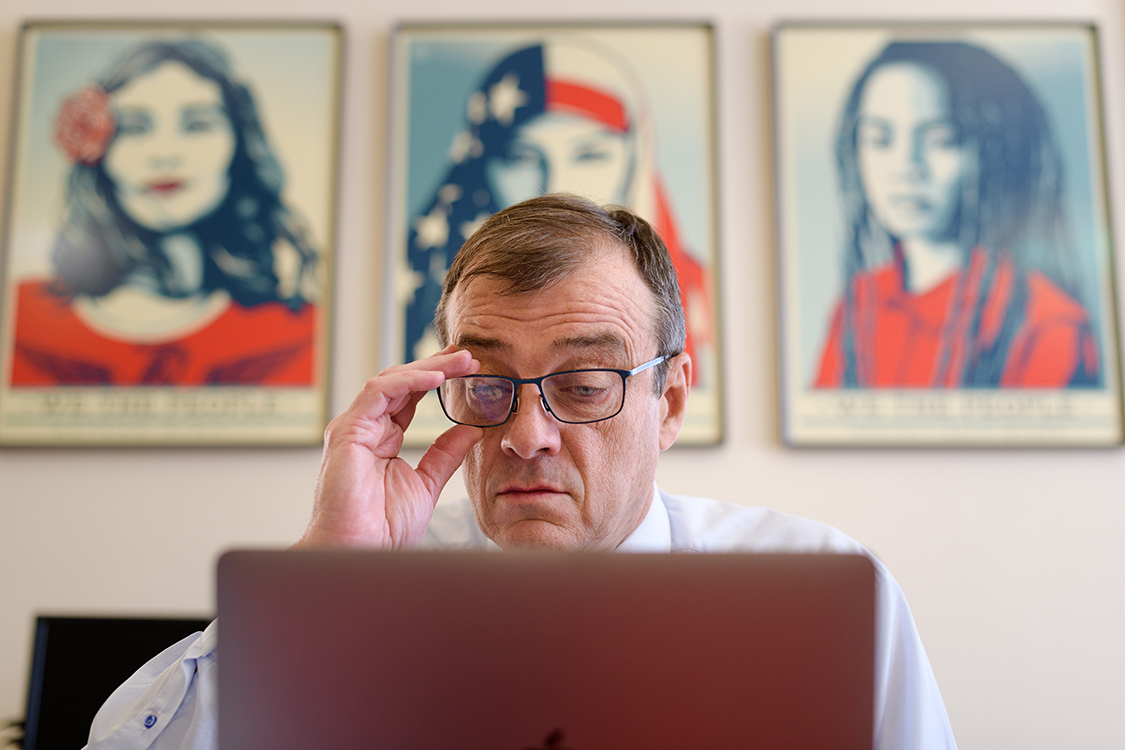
532,430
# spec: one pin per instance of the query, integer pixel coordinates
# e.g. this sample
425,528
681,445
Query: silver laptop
538,650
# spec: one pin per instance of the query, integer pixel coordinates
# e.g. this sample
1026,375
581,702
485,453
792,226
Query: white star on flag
478,107
467,228
449,192
464,144
438,267
432,229
505,97
407,283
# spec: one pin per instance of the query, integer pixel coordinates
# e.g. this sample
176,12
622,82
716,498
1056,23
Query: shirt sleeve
170,702
909,710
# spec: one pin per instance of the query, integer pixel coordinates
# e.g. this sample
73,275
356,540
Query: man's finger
443,457
451,360
404,415
387,393
397,390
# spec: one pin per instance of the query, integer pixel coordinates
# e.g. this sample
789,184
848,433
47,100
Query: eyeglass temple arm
647,365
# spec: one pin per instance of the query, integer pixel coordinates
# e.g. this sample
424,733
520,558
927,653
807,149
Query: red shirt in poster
903,338
267,344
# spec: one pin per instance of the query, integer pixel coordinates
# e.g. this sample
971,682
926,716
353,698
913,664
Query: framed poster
944,238
487,115
169,234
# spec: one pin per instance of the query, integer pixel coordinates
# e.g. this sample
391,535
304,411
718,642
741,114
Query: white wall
1012,560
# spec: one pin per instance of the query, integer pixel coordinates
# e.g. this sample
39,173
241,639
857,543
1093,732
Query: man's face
538,482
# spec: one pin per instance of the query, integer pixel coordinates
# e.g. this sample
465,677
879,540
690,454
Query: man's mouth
527,490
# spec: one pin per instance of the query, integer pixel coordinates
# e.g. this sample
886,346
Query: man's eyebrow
604,340
487,343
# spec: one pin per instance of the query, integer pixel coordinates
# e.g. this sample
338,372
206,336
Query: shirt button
150,721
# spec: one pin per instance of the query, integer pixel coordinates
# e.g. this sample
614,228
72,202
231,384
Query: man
565,372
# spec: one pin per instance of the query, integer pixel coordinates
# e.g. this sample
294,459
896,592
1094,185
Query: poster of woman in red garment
966,265
180,263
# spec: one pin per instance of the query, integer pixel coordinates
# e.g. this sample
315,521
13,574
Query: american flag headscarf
563,76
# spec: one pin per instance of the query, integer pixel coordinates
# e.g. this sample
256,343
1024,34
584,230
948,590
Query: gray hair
538,243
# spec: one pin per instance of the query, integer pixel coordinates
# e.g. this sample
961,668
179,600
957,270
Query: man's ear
673,404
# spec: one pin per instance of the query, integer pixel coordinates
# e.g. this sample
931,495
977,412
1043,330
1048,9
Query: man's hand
366,495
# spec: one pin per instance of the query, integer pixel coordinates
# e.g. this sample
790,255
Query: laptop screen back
517,651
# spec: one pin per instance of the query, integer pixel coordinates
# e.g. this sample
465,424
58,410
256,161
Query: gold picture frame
945,253
169,234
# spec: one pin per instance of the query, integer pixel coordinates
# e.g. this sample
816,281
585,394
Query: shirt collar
654,534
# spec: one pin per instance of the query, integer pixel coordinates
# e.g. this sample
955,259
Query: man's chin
537,534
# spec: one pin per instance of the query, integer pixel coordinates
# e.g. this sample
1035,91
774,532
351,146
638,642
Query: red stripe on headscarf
575,97
694,285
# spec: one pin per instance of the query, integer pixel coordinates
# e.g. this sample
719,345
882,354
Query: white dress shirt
171,702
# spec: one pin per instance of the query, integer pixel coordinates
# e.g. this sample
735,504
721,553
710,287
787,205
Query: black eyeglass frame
517,382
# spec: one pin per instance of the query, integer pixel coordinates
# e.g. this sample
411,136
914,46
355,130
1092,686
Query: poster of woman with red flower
169,235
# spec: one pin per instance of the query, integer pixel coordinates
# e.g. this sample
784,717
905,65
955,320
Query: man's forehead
602,305
609,342
610,264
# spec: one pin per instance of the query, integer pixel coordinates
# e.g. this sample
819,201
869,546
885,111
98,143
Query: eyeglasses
572,396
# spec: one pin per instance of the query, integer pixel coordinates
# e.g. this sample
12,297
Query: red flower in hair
85,125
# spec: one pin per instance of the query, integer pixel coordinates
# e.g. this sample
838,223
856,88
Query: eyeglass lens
483,401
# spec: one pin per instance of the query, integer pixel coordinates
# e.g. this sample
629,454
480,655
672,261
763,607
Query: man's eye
489,393
581,392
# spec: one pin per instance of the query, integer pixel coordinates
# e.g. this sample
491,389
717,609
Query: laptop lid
526,650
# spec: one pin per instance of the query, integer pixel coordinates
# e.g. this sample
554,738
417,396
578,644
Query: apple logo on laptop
552,742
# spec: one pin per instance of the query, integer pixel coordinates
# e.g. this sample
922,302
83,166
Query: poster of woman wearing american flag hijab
488,116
